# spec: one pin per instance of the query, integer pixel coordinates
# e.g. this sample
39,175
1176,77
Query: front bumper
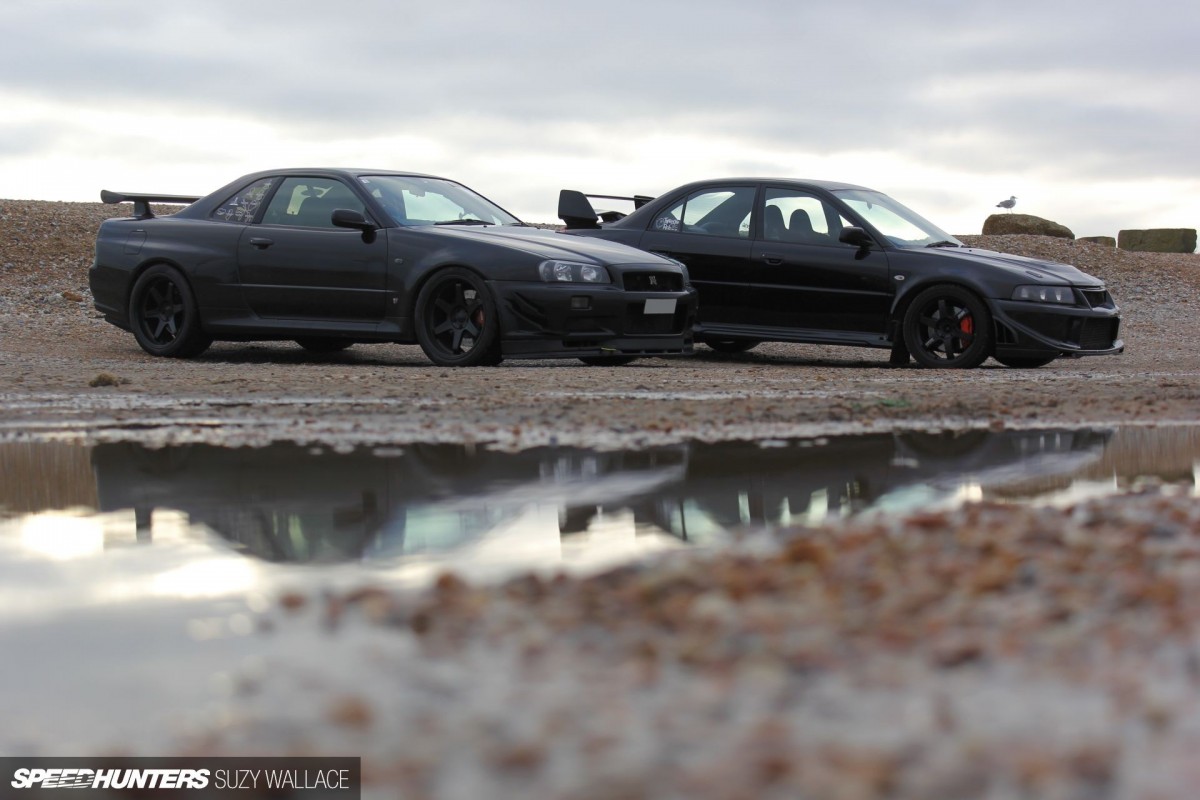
545,320
1037,329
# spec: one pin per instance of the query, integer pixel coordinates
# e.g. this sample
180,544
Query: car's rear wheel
948,327
323,344
456,320
1025,362
732,345
163,314
607,361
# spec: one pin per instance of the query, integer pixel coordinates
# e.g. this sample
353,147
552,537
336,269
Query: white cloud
1083,110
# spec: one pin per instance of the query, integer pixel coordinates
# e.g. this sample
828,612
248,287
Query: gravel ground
992,652
69,366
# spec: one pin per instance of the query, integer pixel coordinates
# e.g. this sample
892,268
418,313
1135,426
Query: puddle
156,565
408,512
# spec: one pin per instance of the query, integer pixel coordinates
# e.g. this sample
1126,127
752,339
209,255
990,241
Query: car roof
800,182
345,172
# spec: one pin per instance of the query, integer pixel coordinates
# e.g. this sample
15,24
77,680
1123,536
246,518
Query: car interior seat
316,211
800,227
773,224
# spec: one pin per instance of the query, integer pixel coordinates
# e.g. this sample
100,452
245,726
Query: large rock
1158,240
1027,224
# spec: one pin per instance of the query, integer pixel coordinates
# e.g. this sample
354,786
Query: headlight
1064,295
572,272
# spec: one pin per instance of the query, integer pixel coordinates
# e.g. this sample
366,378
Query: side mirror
345,218
855,236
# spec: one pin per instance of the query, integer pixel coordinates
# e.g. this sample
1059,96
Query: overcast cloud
1084,110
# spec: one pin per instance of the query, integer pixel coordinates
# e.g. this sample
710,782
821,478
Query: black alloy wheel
163,314
323,344
456,320
732,345
948,327
607,361
1025,362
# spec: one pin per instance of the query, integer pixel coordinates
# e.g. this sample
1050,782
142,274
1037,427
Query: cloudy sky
1086,111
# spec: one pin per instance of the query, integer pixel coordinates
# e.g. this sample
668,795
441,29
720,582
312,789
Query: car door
294,264
709,231
804,278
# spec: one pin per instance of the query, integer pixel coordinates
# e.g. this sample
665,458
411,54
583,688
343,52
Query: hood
1020,266
550,244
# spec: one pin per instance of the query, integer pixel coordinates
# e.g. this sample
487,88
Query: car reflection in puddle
551,507
288,503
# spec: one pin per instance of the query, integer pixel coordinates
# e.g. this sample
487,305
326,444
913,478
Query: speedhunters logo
82,778
46,778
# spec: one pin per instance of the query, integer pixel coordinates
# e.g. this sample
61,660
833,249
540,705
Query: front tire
456,320
948,327
163,314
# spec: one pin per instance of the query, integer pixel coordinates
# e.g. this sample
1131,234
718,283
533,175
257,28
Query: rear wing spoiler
575,210
141,202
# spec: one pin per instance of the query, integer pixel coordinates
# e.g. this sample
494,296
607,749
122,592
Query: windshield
412,200
901,225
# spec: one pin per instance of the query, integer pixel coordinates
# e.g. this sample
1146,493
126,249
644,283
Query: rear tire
456,320
948,327
163,314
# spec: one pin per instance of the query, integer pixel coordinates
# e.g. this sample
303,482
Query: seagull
1009,203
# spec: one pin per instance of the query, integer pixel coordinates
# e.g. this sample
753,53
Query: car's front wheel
323,344
1025,362
456,320
948,327
163,314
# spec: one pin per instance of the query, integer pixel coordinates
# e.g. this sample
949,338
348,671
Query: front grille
1098,334
1053,326
1089,334
1097,298
653,282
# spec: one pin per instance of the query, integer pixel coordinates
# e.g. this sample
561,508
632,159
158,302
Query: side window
791,216
310,202
710,212
242,207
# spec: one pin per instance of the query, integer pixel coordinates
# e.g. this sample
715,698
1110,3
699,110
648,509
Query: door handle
261,244
772,259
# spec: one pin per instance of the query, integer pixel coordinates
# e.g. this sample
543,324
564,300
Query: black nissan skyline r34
832,263
331,257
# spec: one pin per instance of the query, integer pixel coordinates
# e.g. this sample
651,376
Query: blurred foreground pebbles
990,651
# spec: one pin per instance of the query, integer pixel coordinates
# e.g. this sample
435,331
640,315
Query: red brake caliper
967,325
